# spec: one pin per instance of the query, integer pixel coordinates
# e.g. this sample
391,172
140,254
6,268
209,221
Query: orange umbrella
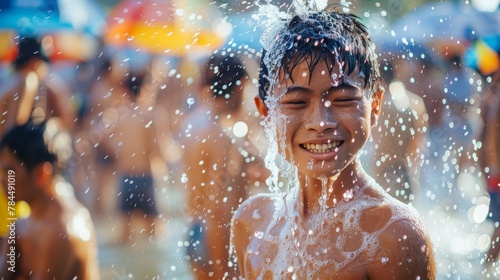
166,27
58,46
8,49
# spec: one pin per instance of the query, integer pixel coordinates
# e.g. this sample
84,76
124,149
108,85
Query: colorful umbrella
166,27
484,55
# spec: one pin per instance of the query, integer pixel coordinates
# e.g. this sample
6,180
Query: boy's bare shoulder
256,207
389,213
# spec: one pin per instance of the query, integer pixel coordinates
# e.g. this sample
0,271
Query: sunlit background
458,224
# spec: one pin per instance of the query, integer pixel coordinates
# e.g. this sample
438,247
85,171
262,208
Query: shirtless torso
353,240
56,243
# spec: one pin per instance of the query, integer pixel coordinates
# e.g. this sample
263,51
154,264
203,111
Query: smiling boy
320,95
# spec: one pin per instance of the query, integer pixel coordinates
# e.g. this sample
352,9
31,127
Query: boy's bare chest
283,251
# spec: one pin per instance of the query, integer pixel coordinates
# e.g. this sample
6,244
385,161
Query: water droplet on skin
259,234
290,269
184,178
348,195
256,214
310,165
384,260
328,103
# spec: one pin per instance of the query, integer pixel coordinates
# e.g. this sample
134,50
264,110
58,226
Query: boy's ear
377,98
44,173
261,106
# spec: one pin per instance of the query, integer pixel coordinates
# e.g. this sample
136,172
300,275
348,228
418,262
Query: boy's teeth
321,148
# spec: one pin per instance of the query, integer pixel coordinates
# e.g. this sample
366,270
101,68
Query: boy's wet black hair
29,48
222,72
324,36
36,143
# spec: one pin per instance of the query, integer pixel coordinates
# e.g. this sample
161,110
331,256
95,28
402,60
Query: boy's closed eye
295,97
293,103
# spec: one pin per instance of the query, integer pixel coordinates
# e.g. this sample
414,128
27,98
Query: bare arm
204,159
244,224
416,148
240,236
58,106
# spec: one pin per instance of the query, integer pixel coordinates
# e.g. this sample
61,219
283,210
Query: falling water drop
184,178
310,165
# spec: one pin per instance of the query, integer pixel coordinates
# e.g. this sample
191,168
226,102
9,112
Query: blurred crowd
144,123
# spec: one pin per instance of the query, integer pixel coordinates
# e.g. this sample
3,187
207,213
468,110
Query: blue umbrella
35,17
246,30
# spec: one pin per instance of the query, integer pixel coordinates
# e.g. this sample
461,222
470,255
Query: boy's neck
311,189
46,204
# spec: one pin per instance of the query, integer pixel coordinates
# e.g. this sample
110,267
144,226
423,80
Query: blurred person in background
492,153
220,165
398,142
450,146
57,241
95,173
490,106
28,90
132,143
32,91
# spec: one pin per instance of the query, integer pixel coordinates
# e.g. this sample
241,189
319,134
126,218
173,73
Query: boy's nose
320,120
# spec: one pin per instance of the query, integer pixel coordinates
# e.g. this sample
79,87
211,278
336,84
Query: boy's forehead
334,71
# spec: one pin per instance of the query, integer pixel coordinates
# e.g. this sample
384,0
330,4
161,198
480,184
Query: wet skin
356,230
59,231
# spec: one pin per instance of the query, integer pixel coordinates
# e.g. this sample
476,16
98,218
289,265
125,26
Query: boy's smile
328,118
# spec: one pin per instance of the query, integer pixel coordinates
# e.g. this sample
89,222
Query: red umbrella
166,27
